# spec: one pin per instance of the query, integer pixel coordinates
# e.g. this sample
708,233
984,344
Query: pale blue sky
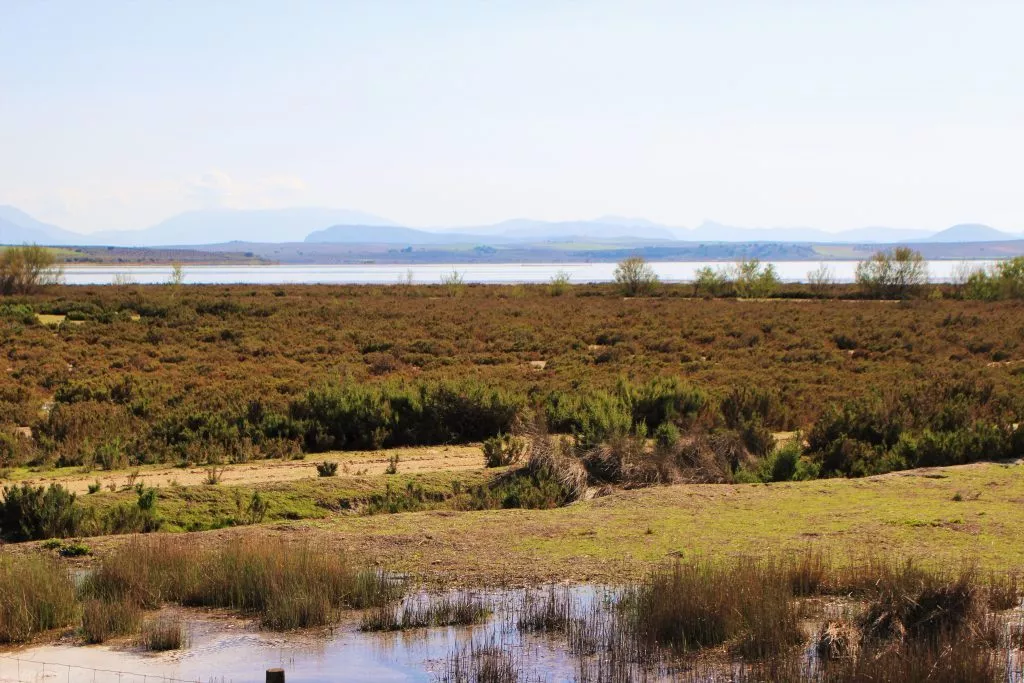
823,113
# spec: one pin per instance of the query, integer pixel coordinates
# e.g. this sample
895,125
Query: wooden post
275,675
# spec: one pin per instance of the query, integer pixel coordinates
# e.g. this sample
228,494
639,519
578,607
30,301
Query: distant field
149,255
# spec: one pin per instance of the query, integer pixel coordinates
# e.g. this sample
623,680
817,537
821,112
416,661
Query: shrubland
651,389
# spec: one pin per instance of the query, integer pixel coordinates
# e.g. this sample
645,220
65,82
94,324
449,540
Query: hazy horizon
118,115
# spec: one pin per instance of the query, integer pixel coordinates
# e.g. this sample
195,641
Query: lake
489,273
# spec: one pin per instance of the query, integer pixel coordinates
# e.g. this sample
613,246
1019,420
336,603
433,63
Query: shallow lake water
226,649
432,273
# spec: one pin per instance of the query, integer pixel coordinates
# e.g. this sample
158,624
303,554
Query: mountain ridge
346,226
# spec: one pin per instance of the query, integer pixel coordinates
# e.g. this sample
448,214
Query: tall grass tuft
698,603
286,586
546,612
163,634
923,606
36,594
102,620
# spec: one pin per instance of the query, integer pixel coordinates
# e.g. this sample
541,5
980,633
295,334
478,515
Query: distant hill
526,229
972,232
386,234
345,227
226,225
17,227
710,231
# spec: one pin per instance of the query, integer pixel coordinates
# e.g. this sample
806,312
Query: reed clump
481,663
36,594
285,586
546,612
450,610
698,603
163,634
103,620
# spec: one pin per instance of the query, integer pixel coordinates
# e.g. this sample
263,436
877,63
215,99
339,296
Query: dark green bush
31,513
371,416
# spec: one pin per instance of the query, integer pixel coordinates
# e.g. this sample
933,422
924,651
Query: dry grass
102,620
287,587
36,594
163,634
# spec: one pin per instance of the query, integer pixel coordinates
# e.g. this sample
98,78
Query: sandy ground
420,459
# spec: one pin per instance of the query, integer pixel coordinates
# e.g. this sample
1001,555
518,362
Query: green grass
200,507
909,514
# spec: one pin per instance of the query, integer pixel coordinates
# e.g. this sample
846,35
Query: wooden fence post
275,675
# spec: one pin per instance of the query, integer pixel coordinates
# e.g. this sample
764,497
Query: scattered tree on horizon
27,268
894,273
635,276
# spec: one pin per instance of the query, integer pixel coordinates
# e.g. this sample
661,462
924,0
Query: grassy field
942,517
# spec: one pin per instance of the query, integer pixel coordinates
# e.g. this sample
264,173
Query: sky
832,114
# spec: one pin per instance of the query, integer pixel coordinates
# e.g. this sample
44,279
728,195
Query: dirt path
420,459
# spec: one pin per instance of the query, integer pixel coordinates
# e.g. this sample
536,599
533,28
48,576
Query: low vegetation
162,634
897,623
36,595
284,587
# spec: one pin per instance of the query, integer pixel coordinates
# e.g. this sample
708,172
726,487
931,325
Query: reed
285,586
163,634
36,594
460,609
102,620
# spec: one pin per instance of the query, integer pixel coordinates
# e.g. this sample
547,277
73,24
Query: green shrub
666,436
1004,280
327,468
783,464
394,414
30,513
503,450
895,273
19,313
664,399
754,280
592,418
142,517
635,276
709,282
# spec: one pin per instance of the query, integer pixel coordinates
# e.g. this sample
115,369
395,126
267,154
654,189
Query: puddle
232,651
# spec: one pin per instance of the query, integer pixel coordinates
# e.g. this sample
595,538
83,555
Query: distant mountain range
340,226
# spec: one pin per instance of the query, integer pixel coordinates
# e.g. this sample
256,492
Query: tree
635,276
709,282
177,275
754,281
26,268
821,279
1003,280
895,273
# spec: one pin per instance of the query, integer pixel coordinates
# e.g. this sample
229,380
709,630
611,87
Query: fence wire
18,670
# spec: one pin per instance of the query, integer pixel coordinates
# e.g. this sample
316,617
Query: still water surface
494,273
227,650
